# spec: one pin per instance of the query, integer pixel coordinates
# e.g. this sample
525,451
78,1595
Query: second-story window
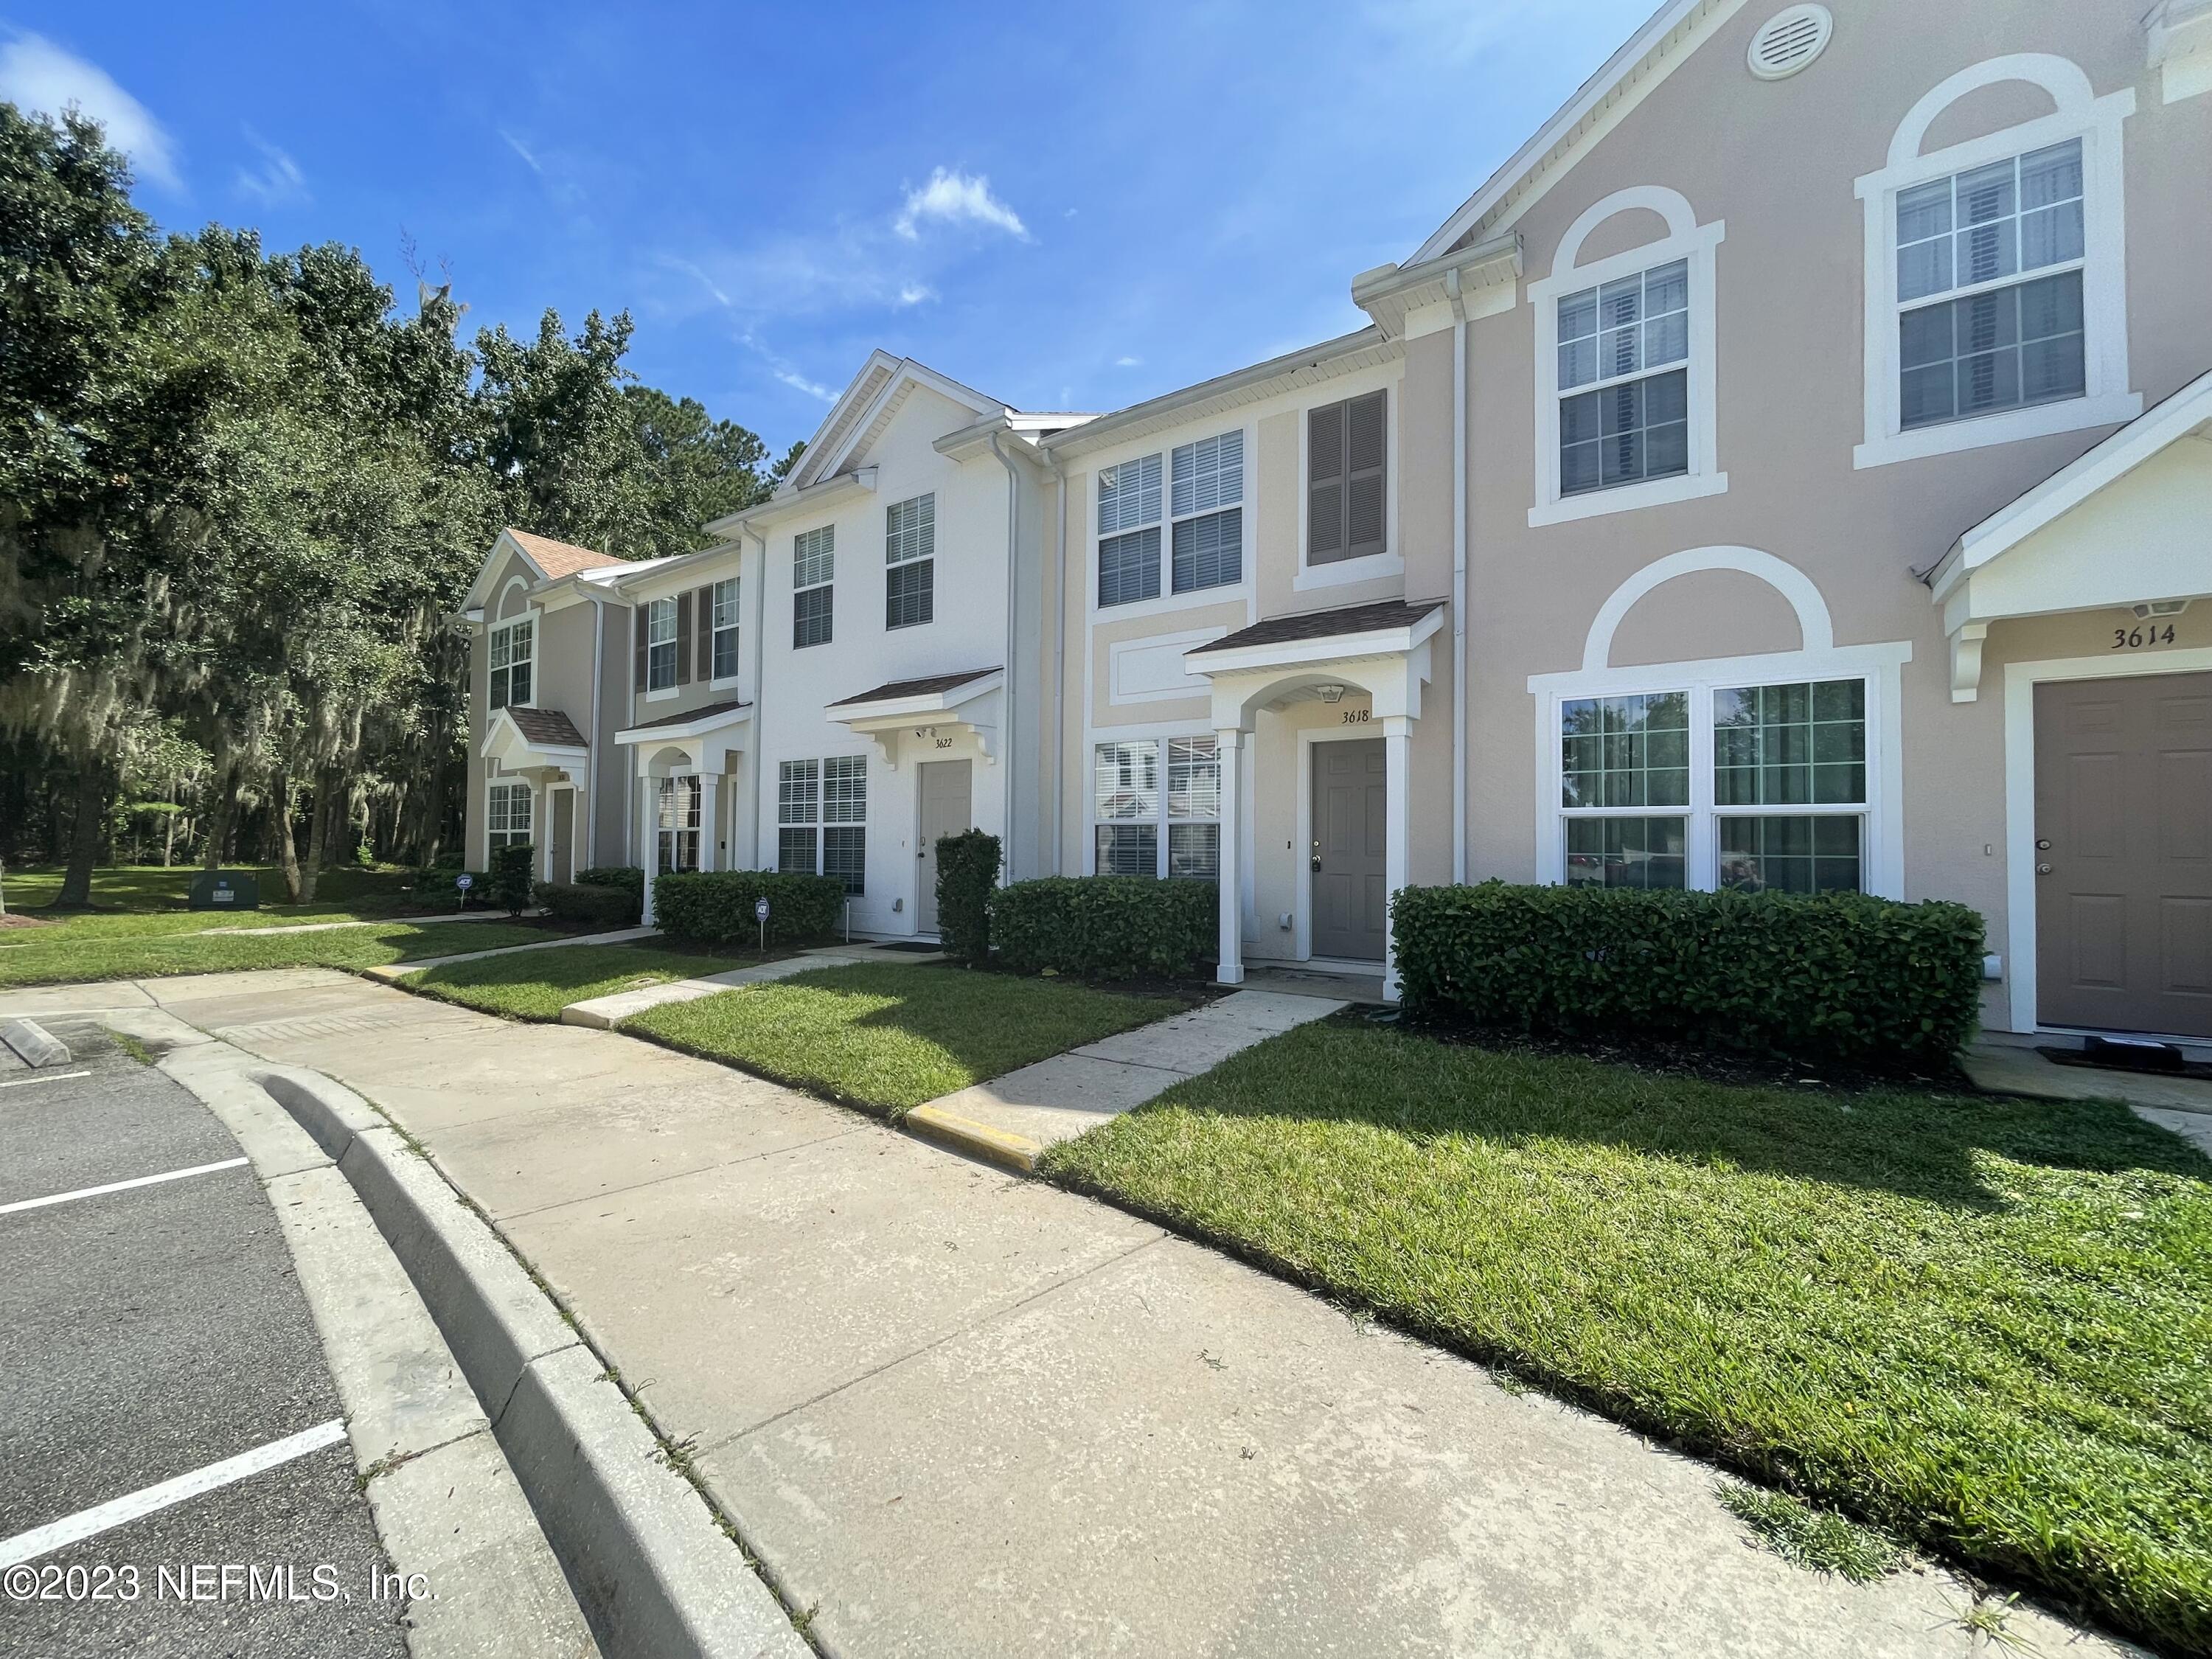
2003,245
1129,532
512,660
1208,519
1346,448
1625,381
723,599
660,645
813,566
911,563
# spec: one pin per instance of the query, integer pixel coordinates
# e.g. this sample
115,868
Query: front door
563,836
2124,854
946,810
1350,883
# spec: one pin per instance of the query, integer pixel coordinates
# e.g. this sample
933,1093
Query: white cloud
1128,362
798,382
915,294
957,199
35,74
278,179
523,150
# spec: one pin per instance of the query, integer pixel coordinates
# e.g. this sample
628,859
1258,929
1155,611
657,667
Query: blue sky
1068,207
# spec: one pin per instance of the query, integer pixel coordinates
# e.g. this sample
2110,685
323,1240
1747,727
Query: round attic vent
1789,40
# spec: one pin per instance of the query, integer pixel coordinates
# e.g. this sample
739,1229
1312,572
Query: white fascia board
897,711
907,373
1238,386
668,576
789,503
1561,133
814,461
1389,292
676,731
1305,653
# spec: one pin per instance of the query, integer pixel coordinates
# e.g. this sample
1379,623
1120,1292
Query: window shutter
684,638
1364,450
704,600
1325,484
637,637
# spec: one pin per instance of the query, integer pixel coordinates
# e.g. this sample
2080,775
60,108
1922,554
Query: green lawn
101,947
1983,1324
895,1035
538,984
347,891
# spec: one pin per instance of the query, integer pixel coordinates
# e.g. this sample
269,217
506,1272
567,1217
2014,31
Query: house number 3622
2135,638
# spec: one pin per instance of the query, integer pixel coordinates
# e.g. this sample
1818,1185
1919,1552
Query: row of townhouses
1792,470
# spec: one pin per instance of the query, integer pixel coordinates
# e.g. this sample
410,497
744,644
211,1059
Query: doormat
917,945
2114,1059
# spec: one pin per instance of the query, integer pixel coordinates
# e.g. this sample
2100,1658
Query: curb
653,1570
34,1044
964,1135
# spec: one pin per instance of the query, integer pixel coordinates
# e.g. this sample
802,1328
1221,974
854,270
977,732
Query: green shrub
628,877
508,885
1841,977
594,905
967,874
1106,926
715,907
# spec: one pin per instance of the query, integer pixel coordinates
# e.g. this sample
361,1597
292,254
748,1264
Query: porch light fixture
1330,693
2161,608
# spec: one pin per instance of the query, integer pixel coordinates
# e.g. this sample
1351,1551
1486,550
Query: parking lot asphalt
149,1334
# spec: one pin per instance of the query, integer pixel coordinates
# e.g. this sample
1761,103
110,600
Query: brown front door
564,835
1350,882
2124,854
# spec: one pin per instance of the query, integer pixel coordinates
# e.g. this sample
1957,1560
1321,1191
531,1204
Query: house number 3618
1357,716
2135,638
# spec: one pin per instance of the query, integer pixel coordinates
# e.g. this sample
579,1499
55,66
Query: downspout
1059,652
760,677
1458,575
1007,746
596,753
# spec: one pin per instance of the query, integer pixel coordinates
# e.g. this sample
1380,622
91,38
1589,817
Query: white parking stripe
87,1523
50,1077
119,1186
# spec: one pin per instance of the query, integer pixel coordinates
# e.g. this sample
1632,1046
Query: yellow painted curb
965,1135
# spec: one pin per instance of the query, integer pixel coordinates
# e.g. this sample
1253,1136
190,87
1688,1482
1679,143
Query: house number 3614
2135,638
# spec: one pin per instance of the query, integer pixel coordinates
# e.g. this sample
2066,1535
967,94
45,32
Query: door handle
2042,869
1317,864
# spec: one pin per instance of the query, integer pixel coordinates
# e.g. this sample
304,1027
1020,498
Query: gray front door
2124,854
946,810
1350,883
563,833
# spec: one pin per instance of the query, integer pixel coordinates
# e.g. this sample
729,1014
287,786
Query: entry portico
1382,650
686,763
542,748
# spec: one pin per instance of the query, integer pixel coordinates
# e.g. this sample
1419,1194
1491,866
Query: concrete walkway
618,936
605,1013
1013,1119
373,921
2183,1105
954,1411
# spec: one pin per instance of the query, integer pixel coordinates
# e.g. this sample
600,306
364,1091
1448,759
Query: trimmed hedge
1834,977
1106,926
595,906
967,874
510,878
628,877
715,907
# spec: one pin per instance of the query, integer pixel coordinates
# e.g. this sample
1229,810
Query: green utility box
226,889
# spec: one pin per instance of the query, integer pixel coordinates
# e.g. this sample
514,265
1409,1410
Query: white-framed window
911,563
822,816
723,662
1205,512
1129,532
1995,273
1140,829
506,815
1626,386
1754,788
514,649
676,835
660,645
813,570
1347,479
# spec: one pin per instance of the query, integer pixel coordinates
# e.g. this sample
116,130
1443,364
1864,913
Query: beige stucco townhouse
1791,470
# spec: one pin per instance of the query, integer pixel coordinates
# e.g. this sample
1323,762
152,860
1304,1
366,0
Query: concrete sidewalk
954,1411
605,1013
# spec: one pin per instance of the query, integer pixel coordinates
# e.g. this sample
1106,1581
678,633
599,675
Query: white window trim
831,582
1164,445
1881,850
1686,239
529,790
672,779
1160,737
534,617
662,693
727,682
2107,399
1368,566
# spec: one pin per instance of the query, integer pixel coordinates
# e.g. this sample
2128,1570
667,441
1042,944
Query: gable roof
866,407
1645,59
556,559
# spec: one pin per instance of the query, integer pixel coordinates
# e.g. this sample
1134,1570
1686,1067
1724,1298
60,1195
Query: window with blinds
1206,514
724,611
813,569
911,563
1141,830
660,645
506,815
511,649
798,810
1347,447
822,815
1129,532
1624,380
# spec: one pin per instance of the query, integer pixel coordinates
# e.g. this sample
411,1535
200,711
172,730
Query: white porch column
1397,755
710,793
649,843
1230,886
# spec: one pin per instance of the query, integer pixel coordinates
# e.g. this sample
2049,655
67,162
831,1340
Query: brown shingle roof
1324,624
690,715
921,688
558,559
547,728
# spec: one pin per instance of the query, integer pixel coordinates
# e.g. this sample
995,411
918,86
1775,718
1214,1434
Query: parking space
152,1342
